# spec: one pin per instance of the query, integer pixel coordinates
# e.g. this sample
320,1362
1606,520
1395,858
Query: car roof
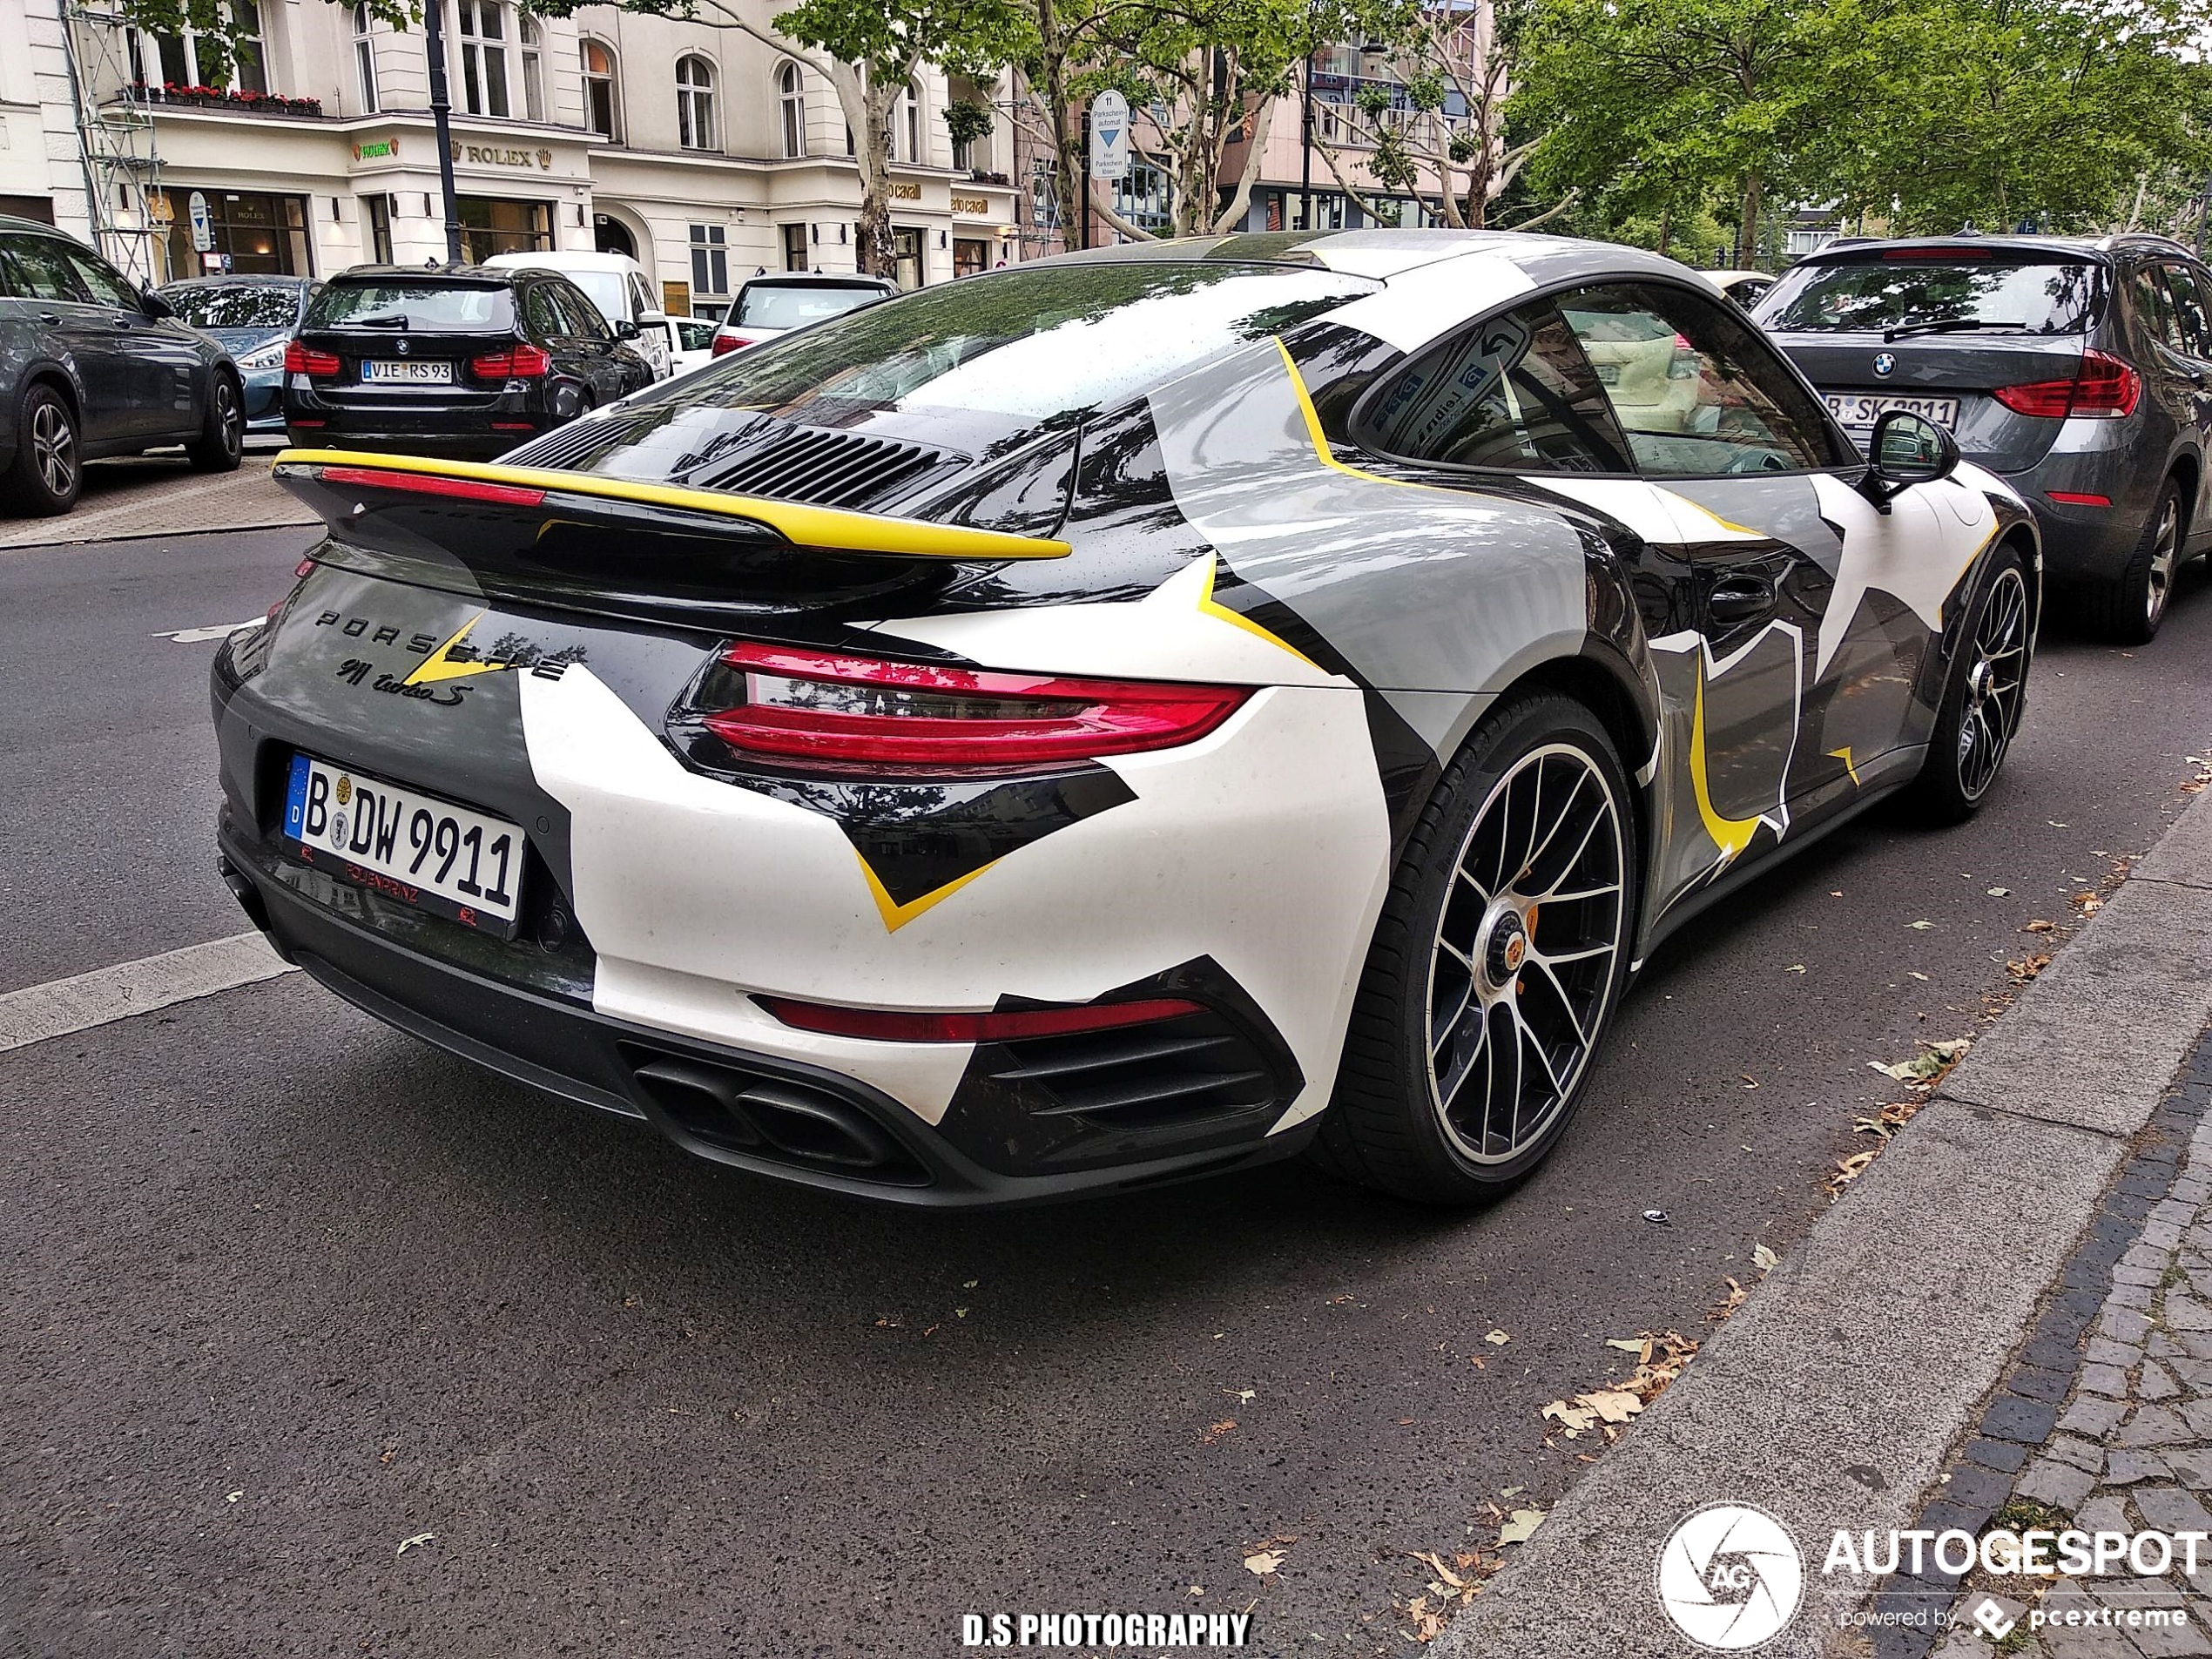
818,280
233,279
14,222
1386,253
2098,249
485,275
573,260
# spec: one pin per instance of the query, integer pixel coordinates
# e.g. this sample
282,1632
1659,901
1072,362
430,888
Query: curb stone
1834,1397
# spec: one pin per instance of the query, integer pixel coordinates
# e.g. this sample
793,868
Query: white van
619,286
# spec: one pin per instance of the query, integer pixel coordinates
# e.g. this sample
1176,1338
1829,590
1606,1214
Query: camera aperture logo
1731,1577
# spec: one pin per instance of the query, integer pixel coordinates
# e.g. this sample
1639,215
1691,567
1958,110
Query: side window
540,312
1511,393
2154,310
107,285
584,321
2191,319
1696,387
37,270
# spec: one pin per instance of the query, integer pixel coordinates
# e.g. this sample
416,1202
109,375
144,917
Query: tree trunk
1747,233
1069,163
1666,229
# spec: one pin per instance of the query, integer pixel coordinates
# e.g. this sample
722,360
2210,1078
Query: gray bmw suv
2079,369
92,365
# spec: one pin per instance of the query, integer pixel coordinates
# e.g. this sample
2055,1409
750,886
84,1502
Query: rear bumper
2086,543
768,1114
474,444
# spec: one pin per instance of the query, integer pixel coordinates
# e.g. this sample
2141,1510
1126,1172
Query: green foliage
890,37
967,121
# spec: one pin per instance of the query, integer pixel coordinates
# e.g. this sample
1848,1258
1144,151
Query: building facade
699,150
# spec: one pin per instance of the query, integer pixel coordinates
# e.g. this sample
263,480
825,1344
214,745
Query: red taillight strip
885,1025
1091,718
2077,498
428,484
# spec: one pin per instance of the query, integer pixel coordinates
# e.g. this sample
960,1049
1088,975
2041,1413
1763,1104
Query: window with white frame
907,144
791,96
484,56
191,59
710,259
600,110
365,58
532,41
695,105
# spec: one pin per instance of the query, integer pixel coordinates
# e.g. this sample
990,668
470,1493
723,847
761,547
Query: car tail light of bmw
306,360
2105,388
523,361
829,710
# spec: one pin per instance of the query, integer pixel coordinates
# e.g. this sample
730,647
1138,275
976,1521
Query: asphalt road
287,1289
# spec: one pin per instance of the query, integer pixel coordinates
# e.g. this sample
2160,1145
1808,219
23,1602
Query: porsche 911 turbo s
1118,718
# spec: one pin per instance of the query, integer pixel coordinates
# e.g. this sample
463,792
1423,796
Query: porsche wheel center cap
1505,948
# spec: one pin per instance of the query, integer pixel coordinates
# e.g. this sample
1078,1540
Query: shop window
531,40
794,247
599,107
791,96
971,256
490,226
365,58
249,233
695,103
710,259
484,56
906,252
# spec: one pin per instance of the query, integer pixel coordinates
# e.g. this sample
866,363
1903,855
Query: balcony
231,102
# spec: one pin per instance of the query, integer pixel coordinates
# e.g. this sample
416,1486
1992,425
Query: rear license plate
1859,410
384,370
423,851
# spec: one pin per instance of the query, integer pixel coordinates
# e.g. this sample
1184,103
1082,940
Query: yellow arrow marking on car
897,915
1213,607
1844,755
831,528
441,665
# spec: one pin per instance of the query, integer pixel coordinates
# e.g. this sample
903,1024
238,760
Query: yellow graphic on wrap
441,665
1213,607
897,915
1844,755
1731,835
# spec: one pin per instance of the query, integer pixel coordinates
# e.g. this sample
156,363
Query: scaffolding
115,136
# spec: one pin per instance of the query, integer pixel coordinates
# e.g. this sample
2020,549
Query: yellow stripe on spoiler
828,527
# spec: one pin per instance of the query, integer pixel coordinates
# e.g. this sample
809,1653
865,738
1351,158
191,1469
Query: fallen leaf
1511,1492
1215,1430
1628,1345
1573,1418
1919,927
959,1313
1763,1258
1241,1396
1521,1526
406,1544
969,1284
1264,1563
1914,973
1794,968
2040,927
1614,1405
1497,1339
232,1497
2000,893
1727,1305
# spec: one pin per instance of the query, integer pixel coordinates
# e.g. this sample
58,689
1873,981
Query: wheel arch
1604,684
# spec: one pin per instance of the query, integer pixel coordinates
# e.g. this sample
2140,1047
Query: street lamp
440,111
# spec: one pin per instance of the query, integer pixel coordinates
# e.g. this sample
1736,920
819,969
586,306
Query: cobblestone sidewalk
2106,1425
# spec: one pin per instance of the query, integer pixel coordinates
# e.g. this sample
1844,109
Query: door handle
120,322
1739,599
51,319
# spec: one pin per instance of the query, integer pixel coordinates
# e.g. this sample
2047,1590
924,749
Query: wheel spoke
1566,1003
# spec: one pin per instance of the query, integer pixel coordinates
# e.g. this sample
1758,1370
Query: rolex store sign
488,155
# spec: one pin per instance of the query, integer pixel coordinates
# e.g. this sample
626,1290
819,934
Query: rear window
1039,343
793,304
419,307
2047,296
236,305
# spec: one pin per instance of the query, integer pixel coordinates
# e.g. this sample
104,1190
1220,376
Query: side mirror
1906,449
625,329
155,307
652,319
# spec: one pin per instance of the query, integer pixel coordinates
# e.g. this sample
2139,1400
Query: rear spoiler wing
332,483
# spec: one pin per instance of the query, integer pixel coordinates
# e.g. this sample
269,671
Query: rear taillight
727,343
523,361
883,1025
827,709
428,484
2104,387
306,360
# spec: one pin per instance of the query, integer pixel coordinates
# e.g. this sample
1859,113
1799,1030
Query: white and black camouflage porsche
1118,718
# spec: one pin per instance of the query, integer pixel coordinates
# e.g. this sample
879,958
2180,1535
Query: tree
1649,100
1432,125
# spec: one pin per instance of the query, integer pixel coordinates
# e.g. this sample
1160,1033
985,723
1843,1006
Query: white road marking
196,636
106,994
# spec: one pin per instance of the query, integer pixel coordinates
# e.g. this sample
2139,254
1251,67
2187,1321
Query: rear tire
221,441
1501,950
48,472
1982,699
2128,609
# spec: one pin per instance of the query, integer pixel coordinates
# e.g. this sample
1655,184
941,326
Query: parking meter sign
203,227
1110,136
